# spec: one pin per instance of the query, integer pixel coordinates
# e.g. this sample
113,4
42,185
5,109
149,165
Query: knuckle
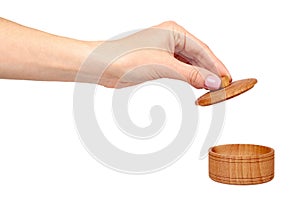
170,23
194,78
205,45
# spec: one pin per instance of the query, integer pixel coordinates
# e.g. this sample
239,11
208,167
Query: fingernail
212,82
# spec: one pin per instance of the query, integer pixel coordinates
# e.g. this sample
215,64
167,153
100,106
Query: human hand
163,51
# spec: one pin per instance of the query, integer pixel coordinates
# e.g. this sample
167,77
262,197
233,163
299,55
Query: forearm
30,54
27,53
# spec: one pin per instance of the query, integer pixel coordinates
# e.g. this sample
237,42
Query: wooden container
241,164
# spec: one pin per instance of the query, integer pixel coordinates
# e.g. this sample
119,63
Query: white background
41,155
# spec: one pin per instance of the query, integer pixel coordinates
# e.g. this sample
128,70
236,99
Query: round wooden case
241,164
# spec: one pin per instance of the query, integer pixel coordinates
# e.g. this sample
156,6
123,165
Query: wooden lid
234,89
242,164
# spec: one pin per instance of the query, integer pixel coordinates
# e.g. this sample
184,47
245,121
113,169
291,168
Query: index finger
197,52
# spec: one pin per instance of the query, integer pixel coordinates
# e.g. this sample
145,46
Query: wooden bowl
241,164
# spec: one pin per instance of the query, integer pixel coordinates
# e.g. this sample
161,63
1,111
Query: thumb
197,77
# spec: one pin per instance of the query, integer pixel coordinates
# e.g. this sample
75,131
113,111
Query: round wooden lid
230,91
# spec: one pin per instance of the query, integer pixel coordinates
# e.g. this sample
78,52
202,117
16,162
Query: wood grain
241,164
225,81
234,89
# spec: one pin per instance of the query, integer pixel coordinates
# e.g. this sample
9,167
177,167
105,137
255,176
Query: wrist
87,61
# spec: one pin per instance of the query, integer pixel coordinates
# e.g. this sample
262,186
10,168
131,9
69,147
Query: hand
163,51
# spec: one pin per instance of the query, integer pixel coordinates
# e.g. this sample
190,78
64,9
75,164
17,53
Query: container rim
269,152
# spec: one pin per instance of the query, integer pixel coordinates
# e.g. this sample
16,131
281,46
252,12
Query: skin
166,50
